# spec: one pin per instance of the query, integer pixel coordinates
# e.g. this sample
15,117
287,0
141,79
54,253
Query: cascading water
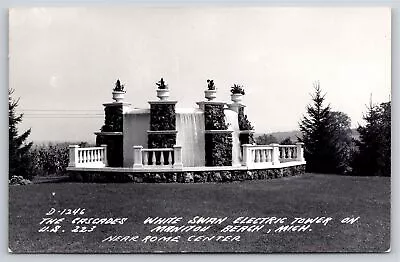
190,126
231,118
136,122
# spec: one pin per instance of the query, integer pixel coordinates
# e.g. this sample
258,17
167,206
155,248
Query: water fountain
231,118
190,126
165,143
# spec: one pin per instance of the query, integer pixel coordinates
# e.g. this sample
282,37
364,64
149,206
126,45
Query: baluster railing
273,154
87,156
291,152
157,157
256,155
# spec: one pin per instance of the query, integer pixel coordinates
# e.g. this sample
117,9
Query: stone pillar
73,155
178,156
111,133
137,157
247,161
275,154
218,140
105,160
162,133
300,151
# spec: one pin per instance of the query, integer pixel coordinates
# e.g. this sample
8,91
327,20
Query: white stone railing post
300,151
105,161
275,154
73,155
137,157
178,156
247,156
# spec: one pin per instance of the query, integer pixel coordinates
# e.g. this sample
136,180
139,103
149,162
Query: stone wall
214,116
218,145
162,118
186,177
218,149
113,118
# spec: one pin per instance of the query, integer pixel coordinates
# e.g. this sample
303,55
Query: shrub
19,180
373,154
237,89
210,84
119,87
244,122
161,84
51,159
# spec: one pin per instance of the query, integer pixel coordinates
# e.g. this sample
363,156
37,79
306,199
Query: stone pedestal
218,140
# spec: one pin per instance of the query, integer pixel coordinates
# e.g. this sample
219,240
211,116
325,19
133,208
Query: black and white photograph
199,129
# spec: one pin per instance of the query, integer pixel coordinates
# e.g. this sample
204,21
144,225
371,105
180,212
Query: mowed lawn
310,195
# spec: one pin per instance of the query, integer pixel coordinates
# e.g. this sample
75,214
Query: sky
64,62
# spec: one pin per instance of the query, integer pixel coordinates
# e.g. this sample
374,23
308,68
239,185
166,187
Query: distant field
311,195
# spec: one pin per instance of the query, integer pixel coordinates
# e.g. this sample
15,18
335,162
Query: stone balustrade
87,156
253,156
269,155
287,153
157,157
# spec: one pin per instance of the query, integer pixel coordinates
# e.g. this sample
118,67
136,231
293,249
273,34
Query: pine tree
374,146
19,159
341,140
325,134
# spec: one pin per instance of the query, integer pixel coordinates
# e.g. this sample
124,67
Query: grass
310,195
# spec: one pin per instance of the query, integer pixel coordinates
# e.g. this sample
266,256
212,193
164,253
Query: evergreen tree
325,135
19,157
374,146
341,140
